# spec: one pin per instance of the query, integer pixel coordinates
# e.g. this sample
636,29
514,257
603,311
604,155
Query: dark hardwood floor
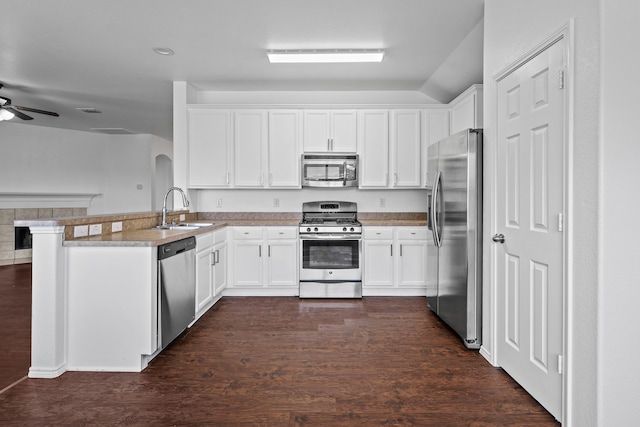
15,323
285,361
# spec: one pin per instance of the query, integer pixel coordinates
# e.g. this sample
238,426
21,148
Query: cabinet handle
217,256
213,258
269,249
260,251
261,179
400,250
391,246
328,144
227,178
395,179
270,179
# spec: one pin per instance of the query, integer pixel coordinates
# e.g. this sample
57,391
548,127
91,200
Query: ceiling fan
9,110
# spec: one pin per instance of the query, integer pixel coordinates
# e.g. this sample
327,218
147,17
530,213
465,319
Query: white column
48,318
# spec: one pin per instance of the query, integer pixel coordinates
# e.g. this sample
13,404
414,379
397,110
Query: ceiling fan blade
35,110
23,116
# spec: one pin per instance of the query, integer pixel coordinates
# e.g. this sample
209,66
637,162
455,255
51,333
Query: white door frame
490,352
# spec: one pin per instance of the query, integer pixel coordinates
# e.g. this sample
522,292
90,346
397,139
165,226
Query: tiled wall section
8,254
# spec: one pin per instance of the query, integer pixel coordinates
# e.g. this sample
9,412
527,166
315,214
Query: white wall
291,200
48,160
407,97
512,28
619,292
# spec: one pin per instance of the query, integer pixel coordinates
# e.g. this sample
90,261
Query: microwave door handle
344,174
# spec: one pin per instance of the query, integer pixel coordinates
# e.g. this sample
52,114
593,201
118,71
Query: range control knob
352,229
308,229
315,229
344,228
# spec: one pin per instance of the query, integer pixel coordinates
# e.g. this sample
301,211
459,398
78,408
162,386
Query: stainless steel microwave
329,170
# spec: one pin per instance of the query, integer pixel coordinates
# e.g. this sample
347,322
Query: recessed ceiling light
325,55
163,51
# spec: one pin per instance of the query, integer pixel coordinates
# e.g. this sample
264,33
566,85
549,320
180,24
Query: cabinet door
204,288
247,263
373,146
405,142
343,131
209,142
463,114
282,265
284,149
437,128
250,142
317,129
220,267
378,264
412,261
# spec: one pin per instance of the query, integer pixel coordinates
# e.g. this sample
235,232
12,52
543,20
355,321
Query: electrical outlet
182,217
95,229
383,202
139,187
219,203
80,230
276,202
116,226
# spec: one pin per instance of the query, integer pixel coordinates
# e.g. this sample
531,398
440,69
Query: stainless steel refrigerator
454,258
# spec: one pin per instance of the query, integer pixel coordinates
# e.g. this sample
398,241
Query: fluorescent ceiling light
325,55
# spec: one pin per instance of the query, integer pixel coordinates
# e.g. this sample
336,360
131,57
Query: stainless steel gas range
330,250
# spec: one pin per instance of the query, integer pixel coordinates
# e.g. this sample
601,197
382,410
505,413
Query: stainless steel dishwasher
176,288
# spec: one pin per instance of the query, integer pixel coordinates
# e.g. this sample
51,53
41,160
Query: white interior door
529,207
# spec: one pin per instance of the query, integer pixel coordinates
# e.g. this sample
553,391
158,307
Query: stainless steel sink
184,226
176,227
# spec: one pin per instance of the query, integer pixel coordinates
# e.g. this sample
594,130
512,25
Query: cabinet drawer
220,235
378,233
204,240
247,233
413,233
282,233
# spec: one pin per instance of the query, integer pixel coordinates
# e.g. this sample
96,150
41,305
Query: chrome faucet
185,203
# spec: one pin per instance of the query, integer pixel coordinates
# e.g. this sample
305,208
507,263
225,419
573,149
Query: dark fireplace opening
23,238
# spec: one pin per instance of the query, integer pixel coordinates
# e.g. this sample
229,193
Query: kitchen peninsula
95,297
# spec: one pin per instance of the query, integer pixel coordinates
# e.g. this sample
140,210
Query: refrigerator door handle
437,216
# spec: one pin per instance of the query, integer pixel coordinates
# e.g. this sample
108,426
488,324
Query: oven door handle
330,236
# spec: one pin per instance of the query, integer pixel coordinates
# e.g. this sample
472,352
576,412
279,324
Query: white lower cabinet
211,269
263,261
395,261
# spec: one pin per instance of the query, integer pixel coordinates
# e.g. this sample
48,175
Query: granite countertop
139,232
393,222
141,238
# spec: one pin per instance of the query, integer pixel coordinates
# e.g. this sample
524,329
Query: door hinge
560,364
560,222
560,78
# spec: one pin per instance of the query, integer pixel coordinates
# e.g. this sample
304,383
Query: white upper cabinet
373,147
284,149
330,130
209,147
250,145
244,148
437,127
466,110
406,148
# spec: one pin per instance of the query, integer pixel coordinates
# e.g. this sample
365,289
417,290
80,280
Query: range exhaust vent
113,131
89,110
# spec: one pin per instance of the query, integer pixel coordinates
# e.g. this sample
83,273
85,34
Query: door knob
499,238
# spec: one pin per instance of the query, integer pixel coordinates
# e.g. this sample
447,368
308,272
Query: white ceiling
66,54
